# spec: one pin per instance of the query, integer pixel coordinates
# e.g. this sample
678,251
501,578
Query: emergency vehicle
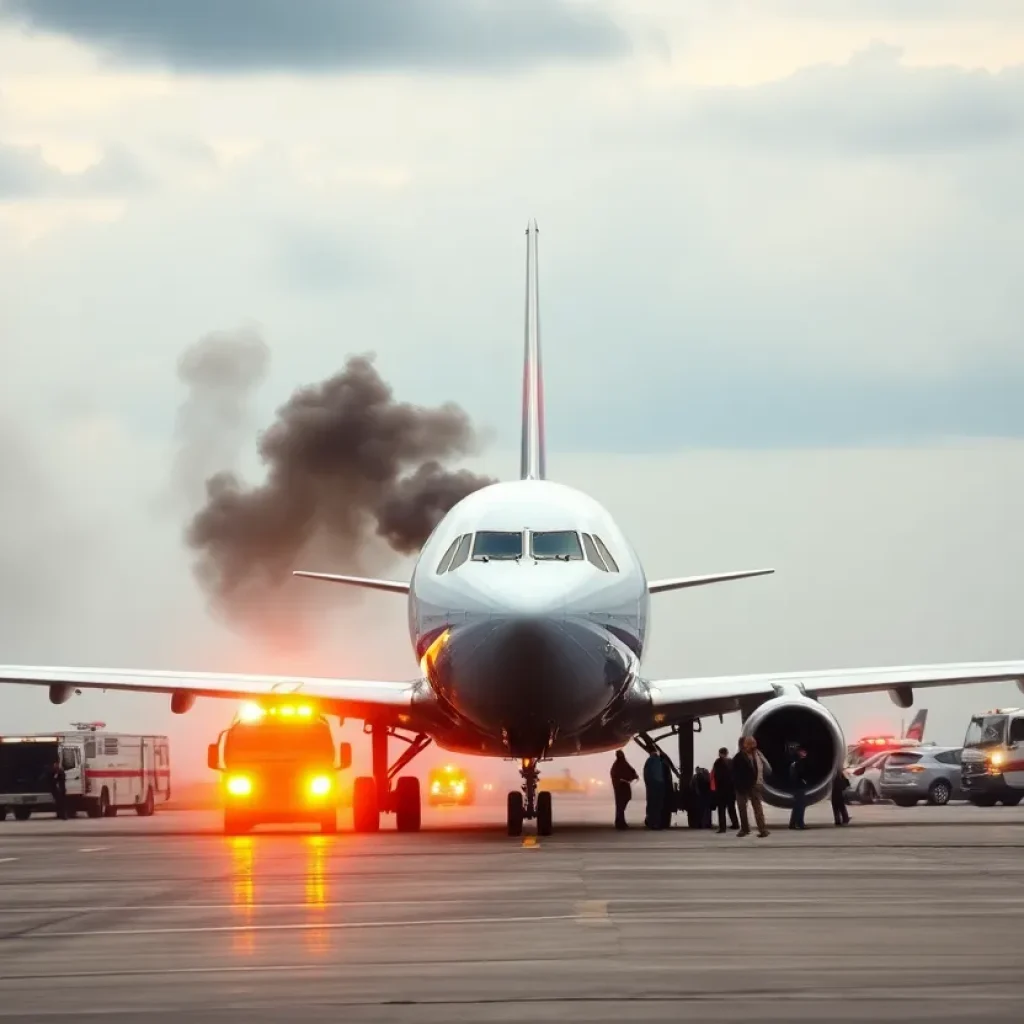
992,760
449,785
279,765
868,746
104,772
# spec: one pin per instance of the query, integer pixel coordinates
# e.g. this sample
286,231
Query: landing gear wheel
147,807
22,813
329,824
515,814
365,807
544,820
407,804
940,793
235,824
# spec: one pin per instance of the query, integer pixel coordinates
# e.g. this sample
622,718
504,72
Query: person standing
725,789
839,786
654,783
749,770
59,789
623,775
798,783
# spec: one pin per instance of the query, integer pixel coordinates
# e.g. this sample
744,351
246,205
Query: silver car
925,773
865,779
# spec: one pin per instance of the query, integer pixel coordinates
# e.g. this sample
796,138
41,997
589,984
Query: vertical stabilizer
534,460
916,730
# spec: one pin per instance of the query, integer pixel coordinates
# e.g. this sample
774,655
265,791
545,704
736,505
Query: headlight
320,785
460,788
239,785
435,787
996,758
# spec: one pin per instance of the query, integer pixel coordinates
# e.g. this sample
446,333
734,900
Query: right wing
350,698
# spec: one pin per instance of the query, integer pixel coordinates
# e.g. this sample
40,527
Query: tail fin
916,728
534,459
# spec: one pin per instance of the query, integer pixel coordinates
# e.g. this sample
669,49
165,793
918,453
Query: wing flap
355,698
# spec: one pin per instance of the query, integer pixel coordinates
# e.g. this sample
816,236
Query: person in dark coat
668,807
654,783
702,798
59,789
839,786
725,791
798,783
623,775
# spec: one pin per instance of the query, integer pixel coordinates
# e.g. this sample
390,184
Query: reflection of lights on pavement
243,891
317,939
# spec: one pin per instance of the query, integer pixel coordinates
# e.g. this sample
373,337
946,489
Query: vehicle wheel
22,813
329,824
544,814
983,801
515,814
94,809
235,824
1011,801
407,804
904,801
365,808
147,807
940,793
867,793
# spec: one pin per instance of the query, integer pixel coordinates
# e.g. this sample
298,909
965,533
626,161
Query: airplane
529,613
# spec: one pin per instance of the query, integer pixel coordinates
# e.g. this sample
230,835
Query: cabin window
562,545
495,544
461,553
109,745
445,563
90,749
606,554
593,555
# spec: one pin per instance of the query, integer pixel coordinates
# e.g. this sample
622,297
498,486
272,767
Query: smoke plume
353,478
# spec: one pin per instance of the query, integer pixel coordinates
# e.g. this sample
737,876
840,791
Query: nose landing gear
529,804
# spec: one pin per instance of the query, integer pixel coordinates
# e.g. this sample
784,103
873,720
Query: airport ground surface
907,915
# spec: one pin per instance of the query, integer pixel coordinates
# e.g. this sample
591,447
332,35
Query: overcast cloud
766,233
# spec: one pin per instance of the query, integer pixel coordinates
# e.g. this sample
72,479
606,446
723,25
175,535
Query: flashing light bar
29,739
253,712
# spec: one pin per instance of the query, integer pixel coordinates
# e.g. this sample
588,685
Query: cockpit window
494,544
461,553
606,554
563,545
593,555
445,562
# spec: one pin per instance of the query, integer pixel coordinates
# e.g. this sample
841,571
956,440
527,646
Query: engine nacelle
60,693
182,701
784,723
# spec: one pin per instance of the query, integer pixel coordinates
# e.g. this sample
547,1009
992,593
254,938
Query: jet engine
783,724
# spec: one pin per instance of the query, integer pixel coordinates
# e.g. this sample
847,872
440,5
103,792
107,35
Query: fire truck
104,772
449,785
278,764
992,760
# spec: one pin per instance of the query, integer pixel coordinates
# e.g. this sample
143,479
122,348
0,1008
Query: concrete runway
907,915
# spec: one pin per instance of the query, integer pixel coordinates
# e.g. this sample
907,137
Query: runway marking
313,926
7,860
93,849
530,843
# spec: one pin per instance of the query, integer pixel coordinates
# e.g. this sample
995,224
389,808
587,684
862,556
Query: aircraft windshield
563,545
494,544
986,731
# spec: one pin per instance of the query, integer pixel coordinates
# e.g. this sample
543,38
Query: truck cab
279,765
992,763
25,764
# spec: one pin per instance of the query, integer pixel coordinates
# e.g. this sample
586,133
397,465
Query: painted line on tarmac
304,927
93,849
7,860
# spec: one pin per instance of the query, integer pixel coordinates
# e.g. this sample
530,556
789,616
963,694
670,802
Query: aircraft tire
545,821
515,814
365,807
408,815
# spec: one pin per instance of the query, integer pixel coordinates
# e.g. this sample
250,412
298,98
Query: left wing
712,695
350,698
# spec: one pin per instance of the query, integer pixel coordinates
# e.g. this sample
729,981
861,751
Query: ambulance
992,760
104,772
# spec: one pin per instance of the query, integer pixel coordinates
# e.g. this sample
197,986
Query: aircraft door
71,762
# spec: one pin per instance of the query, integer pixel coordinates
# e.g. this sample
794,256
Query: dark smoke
354,478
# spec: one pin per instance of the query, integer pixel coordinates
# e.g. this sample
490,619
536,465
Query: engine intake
780,726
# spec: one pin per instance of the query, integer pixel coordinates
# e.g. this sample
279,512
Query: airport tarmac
907,915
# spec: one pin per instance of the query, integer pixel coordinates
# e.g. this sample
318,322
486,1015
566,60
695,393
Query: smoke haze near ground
354,478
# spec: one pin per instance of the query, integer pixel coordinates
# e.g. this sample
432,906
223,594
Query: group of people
733,784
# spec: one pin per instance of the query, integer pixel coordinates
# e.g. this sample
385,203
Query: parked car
927,773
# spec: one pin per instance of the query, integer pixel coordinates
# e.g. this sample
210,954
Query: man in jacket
725,790
749,769
623,775
839,786
798,784
654,783
59,789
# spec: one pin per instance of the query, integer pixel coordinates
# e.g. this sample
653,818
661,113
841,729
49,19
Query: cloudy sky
780,302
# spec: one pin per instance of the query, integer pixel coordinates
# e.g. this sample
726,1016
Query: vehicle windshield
986,731
494,544
278,741
25,767
558,544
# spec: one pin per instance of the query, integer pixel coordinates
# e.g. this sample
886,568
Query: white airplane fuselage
534,655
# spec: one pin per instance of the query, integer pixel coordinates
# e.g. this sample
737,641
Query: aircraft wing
350,698
712,695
